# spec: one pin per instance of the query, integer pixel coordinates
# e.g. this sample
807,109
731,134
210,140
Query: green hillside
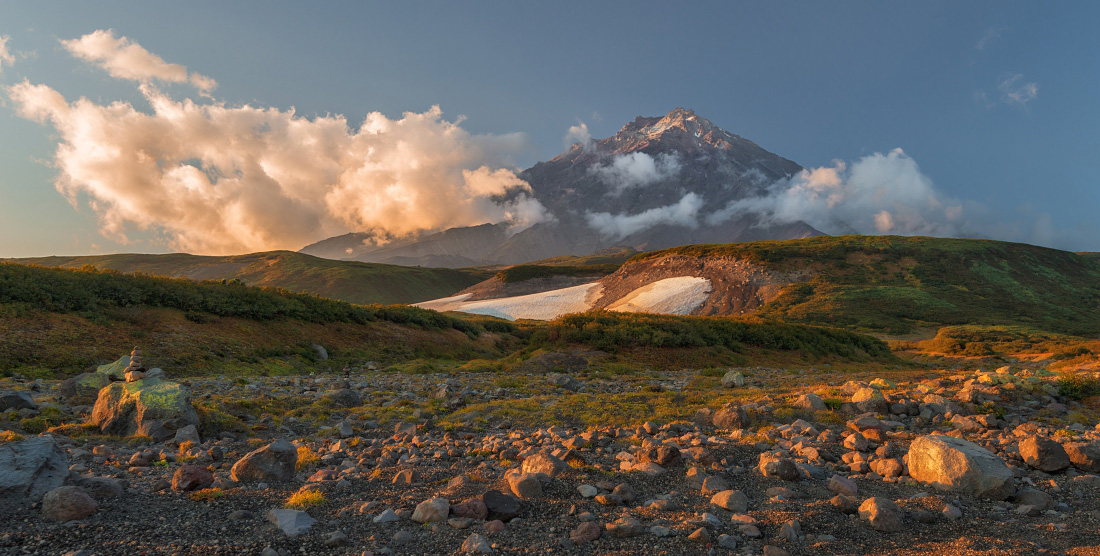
894,284
354,282
60,321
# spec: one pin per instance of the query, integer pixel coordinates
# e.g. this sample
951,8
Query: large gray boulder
150,407
953,464
31,468
10,399
274,462
731,417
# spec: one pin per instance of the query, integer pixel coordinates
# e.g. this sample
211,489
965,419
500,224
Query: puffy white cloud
6,56
1014,90
617,226
636,169
126,59
214,178
881,193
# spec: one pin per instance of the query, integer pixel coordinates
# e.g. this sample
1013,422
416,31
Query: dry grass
306,458
303,500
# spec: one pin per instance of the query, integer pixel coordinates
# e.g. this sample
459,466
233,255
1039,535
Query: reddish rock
472,508
191,477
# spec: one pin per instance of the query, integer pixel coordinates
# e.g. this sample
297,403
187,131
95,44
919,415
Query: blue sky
998,102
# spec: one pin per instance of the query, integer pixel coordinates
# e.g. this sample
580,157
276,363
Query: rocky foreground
990,462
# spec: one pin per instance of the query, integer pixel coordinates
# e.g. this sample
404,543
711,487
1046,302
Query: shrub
1078,386
10,436
306,457
207,494
305,499
34,425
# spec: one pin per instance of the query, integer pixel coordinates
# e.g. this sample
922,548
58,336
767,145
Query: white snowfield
671,296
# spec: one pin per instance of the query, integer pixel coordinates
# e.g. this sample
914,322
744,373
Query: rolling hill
886,284
354,282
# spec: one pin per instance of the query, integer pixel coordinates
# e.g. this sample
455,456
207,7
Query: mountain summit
657,183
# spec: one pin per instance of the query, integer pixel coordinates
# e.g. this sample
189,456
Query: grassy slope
894,284
64,320
354,282
596,265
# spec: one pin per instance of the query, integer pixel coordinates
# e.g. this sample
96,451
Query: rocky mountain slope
354,282
650,186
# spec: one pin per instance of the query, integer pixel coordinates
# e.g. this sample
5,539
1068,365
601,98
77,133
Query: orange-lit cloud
220,179
126,59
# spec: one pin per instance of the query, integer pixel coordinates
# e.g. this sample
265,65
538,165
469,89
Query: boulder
191,477
344,397
432,510
1084,456
10,399
544,463
291,522
883,514
949,463
68,503
153,407
625,526
733,379
1035,498
586,532
501,506
732,500
115,370
274,462
525,485
82,389
31,468
472,508
810,402
666,456
776,466
1044,454
731,417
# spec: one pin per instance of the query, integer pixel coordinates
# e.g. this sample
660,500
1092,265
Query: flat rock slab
291,522
31,468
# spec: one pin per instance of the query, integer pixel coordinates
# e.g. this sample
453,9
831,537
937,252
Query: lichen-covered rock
274,462
115,370
949,463
82,389
151,407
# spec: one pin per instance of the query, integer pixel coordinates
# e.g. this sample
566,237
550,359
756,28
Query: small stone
587,491
472,508
337,539
1044,454
776,466
700,535
714,484
476,544
659,531
585,532
525,486
388,516
728,542
733,379
494,526
402,538
625,526
843,485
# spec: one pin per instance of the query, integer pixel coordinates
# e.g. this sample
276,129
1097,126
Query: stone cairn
135,370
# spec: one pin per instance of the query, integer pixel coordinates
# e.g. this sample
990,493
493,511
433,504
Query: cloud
578,134
636,169
222,179
617,226
6,56
991,35
125,59
879,194
1014,90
